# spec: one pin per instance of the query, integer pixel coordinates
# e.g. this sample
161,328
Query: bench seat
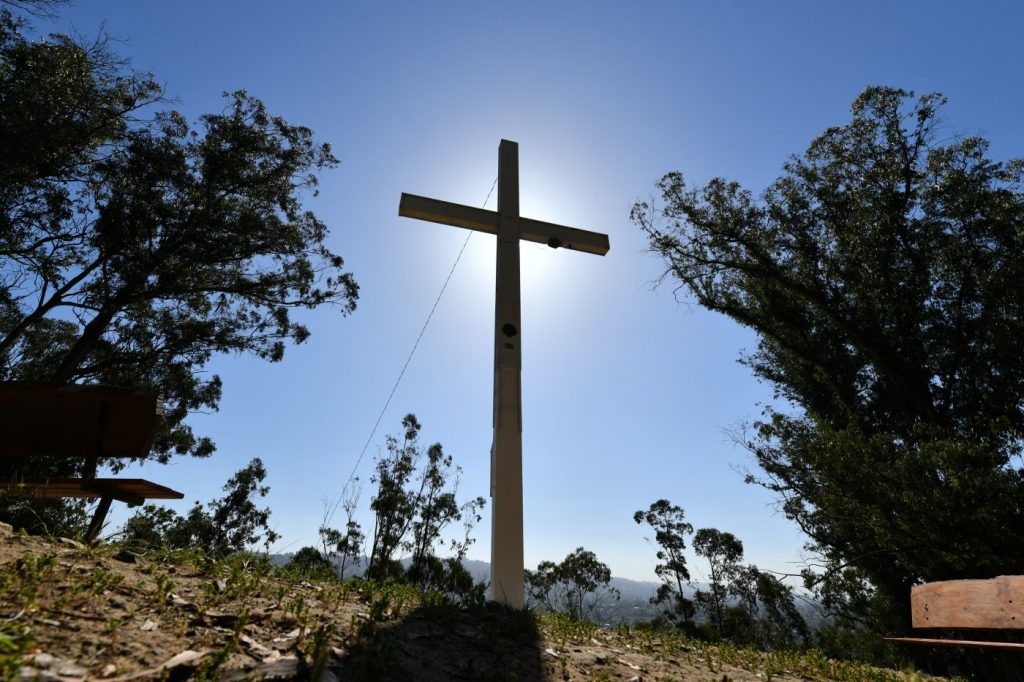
131,491
45,420
959,643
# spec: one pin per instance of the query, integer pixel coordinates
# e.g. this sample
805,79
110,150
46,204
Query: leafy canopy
883,273
575,586
227,525
134,246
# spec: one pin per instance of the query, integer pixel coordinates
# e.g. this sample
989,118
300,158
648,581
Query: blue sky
628,394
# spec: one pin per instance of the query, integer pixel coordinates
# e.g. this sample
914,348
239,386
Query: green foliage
43,516
309,562
670,531
575,586
393,506
739,602
135,246
416,500
723,552
347,546
446,581
227,525
884,275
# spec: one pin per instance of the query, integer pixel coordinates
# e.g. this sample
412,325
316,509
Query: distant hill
633,606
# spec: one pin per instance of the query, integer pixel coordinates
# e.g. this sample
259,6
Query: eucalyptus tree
883,273
134,245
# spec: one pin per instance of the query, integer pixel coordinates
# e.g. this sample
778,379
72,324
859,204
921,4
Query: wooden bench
993,606
40,420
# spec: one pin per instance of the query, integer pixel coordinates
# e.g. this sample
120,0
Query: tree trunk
90,335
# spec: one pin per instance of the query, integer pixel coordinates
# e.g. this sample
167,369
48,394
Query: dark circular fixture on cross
554,242
509,329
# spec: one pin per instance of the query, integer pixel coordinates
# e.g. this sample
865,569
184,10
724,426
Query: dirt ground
68,612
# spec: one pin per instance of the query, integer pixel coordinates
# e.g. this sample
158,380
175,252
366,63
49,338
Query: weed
164,587
111,626
15,642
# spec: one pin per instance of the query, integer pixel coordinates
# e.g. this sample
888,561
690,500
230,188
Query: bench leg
97,519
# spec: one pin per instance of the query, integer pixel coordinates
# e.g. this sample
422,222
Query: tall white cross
507,447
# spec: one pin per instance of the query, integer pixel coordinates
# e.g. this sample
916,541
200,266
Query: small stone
72,543
257,649
6,528
635,679
70,670
41,660
148,625
186,657
109,670
552,653
291,635
220,585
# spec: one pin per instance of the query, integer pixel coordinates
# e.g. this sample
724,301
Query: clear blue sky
627,393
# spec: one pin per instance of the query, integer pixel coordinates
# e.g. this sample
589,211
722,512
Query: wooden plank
470,218
129,490
997,603
568,237
958,643
448,213
39,419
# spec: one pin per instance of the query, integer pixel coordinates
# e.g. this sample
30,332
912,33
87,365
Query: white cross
507,447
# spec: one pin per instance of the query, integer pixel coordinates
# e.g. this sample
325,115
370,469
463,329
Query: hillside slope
68,612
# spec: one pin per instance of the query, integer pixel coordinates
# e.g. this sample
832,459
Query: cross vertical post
507,446
507,417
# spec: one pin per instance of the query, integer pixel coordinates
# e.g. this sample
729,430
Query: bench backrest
75,421
994,604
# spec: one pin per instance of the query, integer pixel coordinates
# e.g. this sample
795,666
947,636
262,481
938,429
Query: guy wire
394,388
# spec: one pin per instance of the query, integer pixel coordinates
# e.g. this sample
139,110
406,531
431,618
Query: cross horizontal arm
470,218
447,213
563,237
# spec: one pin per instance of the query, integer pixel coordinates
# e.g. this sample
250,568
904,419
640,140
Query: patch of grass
15,642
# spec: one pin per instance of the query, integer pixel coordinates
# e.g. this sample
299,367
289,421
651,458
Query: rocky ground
70,612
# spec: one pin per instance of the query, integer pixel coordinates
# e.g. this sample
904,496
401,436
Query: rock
109,670
221,618
291,635
184,658
148,625
6,528
257,649
72,543
590,658
552,653
71,670
40,660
